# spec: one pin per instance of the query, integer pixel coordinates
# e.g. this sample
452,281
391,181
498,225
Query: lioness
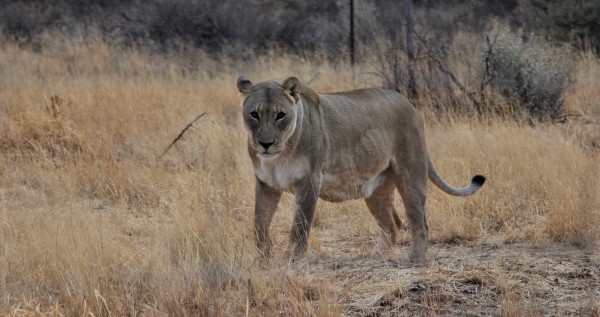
362,143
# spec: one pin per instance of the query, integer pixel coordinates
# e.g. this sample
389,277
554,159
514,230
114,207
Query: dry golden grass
94,223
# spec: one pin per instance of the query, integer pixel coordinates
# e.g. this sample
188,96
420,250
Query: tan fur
355,144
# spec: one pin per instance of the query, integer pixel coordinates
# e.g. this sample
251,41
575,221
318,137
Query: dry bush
105,227
534,71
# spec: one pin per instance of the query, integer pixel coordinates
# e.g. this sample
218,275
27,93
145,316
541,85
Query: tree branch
448,73
180,136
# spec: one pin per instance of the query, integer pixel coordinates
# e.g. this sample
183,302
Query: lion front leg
265,205
306,197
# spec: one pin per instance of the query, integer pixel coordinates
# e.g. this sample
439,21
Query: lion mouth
266,155
268,152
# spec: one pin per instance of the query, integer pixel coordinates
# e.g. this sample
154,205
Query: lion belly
337,188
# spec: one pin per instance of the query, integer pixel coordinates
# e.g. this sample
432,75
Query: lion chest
280,173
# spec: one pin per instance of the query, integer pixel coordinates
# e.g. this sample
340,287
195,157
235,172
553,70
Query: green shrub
533,71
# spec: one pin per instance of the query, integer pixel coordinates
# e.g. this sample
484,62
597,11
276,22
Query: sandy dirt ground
483,279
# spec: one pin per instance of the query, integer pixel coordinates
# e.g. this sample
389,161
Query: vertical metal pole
352,59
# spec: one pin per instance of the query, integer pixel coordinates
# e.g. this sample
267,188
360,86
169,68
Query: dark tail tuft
478,180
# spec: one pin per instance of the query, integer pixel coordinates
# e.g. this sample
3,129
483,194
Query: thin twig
448,72
487,63
440,64
180,136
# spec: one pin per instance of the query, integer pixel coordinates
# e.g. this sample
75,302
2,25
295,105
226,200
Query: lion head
270,113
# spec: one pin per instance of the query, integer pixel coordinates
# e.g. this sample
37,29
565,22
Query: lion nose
266,144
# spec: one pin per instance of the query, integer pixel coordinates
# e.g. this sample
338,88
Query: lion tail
435,178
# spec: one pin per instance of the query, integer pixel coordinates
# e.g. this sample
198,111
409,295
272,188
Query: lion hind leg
381,206
414,194
397,220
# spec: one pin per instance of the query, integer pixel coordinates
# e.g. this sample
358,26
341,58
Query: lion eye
280,116
254,114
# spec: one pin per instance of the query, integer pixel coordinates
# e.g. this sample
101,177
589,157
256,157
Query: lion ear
293,87
244,85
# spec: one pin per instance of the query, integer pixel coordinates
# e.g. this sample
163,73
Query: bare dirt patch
460,280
